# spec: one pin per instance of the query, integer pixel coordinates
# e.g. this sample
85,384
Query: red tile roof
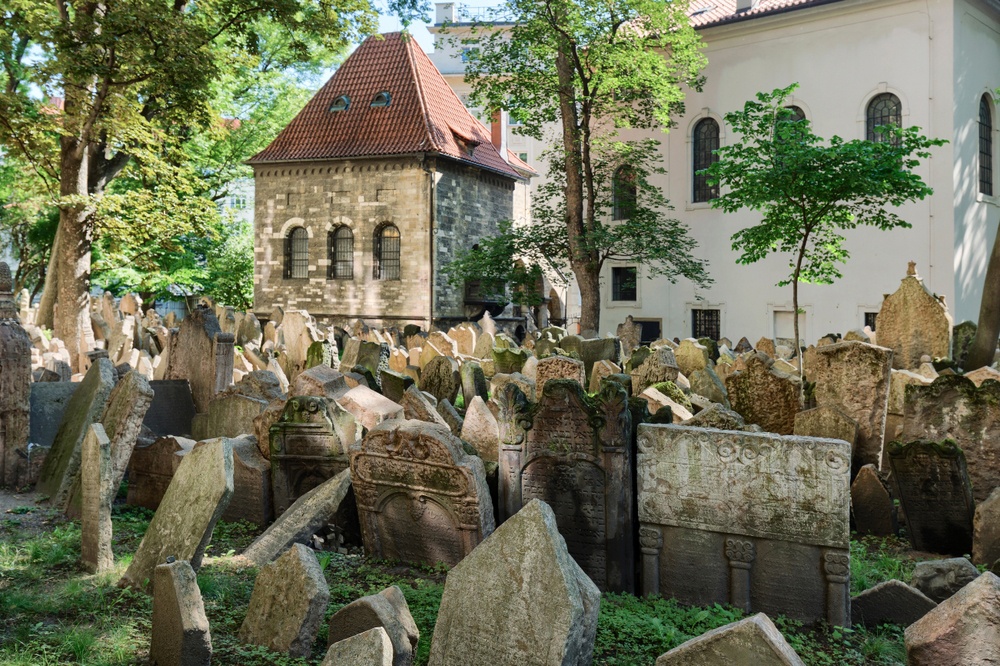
424,115
706,13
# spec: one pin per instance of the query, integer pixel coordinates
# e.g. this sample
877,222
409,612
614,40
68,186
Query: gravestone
932,484
62,463
369,407
203,355
48,407
691,356
172,409
940,579
523,579
764,395
891,601
369,648
753,640
387,610
181,635
506,361
986,530
573,453
952,407
594,350
826,421
289,598
854,378
440,378
305,450
360,352
961,631
481,431
913,323
871,504
421,498
630,334
152,467
97,493
961,340
659,366
417,405
558,367
600,371
182,526
252,497
473,381
394,384
755,520
898,382
15,389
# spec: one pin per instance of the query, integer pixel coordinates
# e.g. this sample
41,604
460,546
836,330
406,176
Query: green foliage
875,560
230,267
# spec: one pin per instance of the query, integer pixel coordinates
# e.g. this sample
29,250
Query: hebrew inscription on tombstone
932,483
756,520
573,452
420,497
305,450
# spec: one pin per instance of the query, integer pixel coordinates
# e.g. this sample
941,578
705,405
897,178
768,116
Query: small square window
469,53
870,319
706,324
523,157
623,283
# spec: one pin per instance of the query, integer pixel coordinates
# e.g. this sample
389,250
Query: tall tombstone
558,367
15,388
152,467
952,407
97,494
854,378
305,449
203,355
932,484
755,520
62,464
573,453
764,395
912,322
420,497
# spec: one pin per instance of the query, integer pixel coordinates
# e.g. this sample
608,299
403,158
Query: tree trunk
46,307
588,279
71,256
984,345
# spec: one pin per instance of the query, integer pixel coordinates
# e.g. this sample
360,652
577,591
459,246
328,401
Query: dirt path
23,511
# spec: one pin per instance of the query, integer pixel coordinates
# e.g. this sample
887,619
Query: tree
810,191
128,73
593,68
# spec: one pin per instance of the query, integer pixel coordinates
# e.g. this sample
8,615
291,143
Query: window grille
623,283
706,142
884,109
297,254
985,147
623,195
870,319
386,265
341,254
706,324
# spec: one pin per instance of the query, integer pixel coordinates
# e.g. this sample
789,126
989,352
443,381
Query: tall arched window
985,146
297,254
623,193
706,142
797,113
386,254
340,250
883,109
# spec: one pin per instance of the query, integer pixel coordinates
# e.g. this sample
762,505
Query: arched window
297,254
797,113
386,254
340,250
623,193
706,142
884,109
985,146
382,99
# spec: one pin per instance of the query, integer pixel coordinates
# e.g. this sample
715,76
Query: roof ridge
418,82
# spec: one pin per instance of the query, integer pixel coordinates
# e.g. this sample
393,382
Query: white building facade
937,62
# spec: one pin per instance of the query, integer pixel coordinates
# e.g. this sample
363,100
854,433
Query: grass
54,613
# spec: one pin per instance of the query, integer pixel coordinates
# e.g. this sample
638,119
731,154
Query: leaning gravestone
573,453
62,464
387,609
871,504
826,421
440,378
659,365
203,355
172,409
420,497
182,526
305,450
15,389
369,648
933,488
290,596
960,631
180,628
522,579
952,407
755,520
97,494
764,395
152,467
753,640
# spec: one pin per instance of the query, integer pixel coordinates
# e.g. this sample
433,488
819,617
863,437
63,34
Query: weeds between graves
55,614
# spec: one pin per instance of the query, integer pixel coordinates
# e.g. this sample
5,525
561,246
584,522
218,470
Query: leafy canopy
808,190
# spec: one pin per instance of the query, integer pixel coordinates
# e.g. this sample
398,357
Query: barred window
623,194
884,109
985,146
297,254
706,142
623,283
706,324
340,249
870,318
386,255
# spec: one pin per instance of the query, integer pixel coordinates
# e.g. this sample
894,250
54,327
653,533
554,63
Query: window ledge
700,205
991,199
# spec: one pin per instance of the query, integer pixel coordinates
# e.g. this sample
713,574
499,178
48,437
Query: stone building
371,189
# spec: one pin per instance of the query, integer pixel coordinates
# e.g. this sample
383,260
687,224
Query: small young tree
810,191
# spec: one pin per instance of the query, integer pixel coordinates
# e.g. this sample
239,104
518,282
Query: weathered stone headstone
416,405
181,634
182,526
826,421
480,429
97,493
440,378
893,601
506,361
600,371
62,463
721,418
551,606
630,334
558,367
526,385
755,520
369,407
765,396
764,345
394,384
573,452
871,504
359,352
304,518
854,378
473,381
898,382
986,530
252,497
387,610
953,408
940,579
152,467
595,350
960,631
754,640
203,355
932,484
979,376
451,417
912,322
659,366
15,388
370,648
305,450
172,409
707,383
420,497
961,340
289,599
691,356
